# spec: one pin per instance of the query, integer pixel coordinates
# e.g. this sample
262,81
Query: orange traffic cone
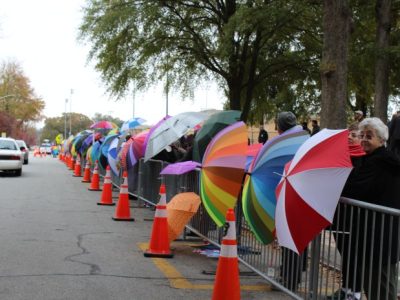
78,170
159,242
72,164
94,184
122,211
227,285
86,172
106,195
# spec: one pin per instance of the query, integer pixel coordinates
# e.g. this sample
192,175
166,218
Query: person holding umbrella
376,180
291,263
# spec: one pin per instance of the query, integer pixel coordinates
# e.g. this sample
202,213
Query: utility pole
133,101
70,112
65,119
167,91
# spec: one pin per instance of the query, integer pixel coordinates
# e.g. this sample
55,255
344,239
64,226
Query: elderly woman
376,180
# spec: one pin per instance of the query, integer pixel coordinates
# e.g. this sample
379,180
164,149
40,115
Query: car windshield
21,143
7,145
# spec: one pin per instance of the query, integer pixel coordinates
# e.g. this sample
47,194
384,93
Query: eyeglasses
366,136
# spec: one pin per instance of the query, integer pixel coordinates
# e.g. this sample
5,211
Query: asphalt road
56,243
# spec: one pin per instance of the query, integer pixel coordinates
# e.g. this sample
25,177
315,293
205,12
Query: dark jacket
376,180
263,136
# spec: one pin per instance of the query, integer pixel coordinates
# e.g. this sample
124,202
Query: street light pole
70,112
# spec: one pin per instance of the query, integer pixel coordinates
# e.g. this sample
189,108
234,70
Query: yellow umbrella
180,210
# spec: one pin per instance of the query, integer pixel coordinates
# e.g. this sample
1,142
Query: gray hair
375,123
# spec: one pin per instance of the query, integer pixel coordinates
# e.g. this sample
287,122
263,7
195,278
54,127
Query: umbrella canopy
103,125
251,152
151,131
180,168
223,171
258,196
112,156
125,151
132,123
95,151
171,130
214,124
180,210
88,141
310,188
104,148
78,141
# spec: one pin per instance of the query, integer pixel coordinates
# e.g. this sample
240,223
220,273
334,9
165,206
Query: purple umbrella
180,168
131,158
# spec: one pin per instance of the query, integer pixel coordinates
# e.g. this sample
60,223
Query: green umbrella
210,128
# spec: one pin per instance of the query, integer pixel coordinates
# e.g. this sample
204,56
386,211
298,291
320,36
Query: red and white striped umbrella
310,188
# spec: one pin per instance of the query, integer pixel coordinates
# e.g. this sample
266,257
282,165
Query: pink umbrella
310,188
103,125
138,146
180,168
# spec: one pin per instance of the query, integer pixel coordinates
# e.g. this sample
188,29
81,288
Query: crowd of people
368,245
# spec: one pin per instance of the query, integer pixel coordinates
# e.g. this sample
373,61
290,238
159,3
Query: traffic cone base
149,253
123,219
106,204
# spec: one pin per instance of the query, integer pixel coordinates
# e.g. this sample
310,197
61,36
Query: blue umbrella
264,174
132,123
112,156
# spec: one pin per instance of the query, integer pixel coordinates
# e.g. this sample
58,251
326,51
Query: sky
41,36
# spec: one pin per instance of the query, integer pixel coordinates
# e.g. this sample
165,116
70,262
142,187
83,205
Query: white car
11,156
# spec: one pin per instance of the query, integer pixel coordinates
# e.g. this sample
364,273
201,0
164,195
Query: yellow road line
178,281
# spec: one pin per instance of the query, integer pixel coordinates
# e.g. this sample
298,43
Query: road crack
94,268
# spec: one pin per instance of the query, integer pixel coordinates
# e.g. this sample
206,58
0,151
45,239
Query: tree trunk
251,78
383,27
361,103
336,29
234,93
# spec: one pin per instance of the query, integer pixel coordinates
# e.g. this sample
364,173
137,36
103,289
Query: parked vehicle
11,156
25,150
45,148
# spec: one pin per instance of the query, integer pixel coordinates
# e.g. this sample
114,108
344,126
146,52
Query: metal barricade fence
356,251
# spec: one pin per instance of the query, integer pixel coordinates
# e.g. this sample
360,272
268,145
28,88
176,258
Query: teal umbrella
210,128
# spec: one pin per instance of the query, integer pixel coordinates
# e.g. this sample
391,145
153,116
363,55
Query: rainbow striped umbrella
264,174
223,171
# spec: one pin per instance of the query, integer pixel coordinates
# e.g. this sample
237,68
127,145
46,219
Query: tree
99,117
239,44
18,97
54,126
334,93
